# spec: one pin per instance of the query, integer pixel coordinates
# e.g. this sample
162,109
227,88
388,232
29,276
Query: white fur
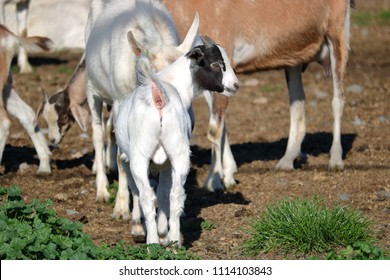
11,102
143,135
111,63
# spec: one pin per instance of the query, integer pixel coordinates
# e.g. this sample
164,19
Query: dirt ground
258,124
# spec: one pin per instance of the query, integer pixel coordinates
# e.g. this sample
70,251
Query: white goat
110,66
21,25
268,34
12,103
153,125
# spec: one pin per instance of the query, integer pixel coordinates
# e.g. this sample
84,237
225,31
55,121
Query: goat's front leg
98,143
223,165
26,116
21,19
297,118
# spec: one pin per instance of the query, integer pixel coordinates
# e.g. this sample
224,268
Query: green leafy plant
34,231
359,251
306,226
207,225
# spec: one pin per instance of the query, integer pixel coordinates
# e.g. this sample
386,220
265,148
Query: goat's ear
41,106
81,115
135,46
186,45
61,100
196,54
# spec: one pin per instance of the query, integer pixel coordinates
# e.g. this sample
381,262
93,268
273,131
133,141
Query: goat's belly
160,157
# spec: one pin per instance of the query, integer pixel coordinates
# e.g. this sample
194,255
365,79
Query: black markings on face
208,67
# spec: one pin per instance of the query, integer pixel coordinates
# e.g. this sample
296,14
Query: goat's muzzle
231,90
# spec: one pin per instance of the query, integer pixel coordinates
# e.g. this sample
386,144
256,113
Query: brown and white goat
21,25
62,109
10,101
268,34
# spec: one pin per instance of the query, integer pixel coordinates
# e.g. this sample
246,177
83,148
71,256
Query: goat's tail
31,44
146,76
143,70
36,43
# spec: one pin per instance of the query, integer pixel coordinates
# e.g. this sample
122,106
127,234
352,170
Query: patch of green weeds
33,231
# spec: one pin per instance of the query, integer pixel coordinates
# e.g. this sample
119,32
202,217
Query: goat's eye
216,66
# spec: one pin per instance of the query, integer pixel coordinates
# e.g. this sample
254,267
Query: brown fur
292,40
275,34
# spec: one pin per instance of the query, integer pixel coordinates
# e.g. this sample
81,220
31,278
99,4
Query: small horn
207,42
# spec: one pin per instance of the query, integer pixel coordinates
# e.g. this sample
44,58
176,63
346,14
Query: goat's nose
236,86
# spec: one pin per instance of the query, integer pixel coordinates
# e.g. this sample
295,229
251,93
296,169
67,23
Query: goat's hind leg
338,59
122,199
26,116
138,231
179,155
163,201
139,170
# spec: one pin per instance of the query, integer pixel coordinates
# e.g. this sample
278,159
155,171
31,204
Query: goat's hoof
44,168
103,196
336,167
26,69
164,241
229,182
285,165
214,184
139,238
44,172
138,232
118,215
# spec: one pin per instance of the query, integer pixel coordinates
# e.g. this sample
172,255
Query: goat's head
62,109
60,115
211,68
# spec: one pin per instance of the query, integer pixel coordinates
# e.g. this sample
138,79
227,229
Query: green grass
33,231
306,226
371,18
272,88
64,69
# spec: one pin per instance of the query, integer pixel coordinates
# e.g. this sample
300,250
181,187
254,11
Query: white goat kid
21,24
110,66
10,101
153,126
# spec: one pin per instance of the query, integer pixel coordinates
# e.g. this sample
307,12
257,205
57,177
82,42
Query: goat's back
262,34
109,58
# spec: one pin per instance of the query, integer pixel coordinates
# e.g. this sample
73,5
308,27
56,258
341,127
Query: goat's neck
179,75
